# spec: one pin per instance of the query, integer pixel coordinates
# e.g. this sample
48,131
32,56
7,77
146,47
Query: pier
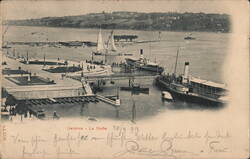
125,76
25,90
31,86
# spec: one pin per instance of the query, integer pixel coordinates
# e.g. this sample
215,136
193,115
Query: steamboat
190,89
144,64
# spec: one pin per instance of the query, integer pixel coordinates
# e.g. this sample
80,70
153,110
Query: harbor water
205,54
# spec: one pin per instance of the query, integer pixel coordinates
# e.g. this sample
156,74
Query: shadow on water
178,105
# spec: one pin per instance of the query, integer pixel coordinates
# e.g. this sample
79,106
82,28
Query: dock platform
63,90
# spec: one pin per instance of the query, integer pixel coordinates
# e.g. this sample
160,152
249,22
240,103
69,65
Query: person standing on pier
55,116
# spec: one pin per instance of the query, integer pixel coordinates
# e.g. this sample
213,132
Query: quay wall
49,93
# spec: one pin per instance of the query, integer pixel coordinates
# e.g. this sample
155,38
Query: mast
133,112
14,52
27,56
44,59
92,57
159,37
105,58
117,92
176,61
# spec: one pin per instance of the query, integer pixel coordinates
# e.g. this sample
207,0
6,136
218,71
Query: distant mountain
134,20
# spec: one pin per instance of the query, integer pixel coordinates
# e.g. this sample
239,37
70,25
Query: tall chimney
141,53
186,72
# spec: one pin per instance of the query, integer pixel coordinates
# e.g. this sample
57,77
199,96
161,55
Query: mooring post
82,109
117,112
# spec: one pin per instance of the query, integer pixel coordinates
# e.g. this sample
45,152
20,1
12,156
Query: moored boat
135,88
100,49
193,90
167,96
108,48
190,37
144,64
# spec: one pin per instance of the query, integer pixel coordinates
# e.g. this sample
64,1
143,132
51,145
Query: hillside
133,20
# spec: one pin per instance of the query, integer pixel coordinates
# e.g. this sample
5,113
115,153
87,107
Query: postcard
124,79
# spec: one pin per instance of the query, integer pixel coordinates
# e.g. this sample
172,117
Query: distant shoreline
65,27
181,22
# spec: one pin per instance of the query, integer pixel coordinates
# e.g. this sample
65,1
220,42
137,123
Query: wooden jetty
35,106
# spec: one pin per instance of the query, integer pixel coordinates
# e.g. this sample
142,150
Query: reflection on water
205,55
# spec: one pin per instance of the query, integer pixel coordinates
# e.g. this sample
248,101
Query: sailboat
100,49
109,49
111,43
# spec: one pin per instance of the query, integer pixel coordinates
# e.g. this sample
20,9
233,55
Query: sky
30,9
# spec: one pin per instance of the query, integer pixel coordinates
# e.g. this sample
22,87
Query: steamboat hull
134,89
152,69
195,99
189,98
161,84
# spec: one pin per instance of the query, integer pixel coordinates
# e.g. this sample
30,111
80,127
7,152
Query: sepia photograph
124,79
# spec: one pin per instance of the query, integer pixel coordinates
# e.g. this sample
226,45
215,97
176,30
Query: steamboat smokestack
141,53
186,72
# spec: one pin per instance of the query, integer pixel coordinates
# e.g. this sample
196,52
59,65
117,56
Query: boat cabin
207,88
